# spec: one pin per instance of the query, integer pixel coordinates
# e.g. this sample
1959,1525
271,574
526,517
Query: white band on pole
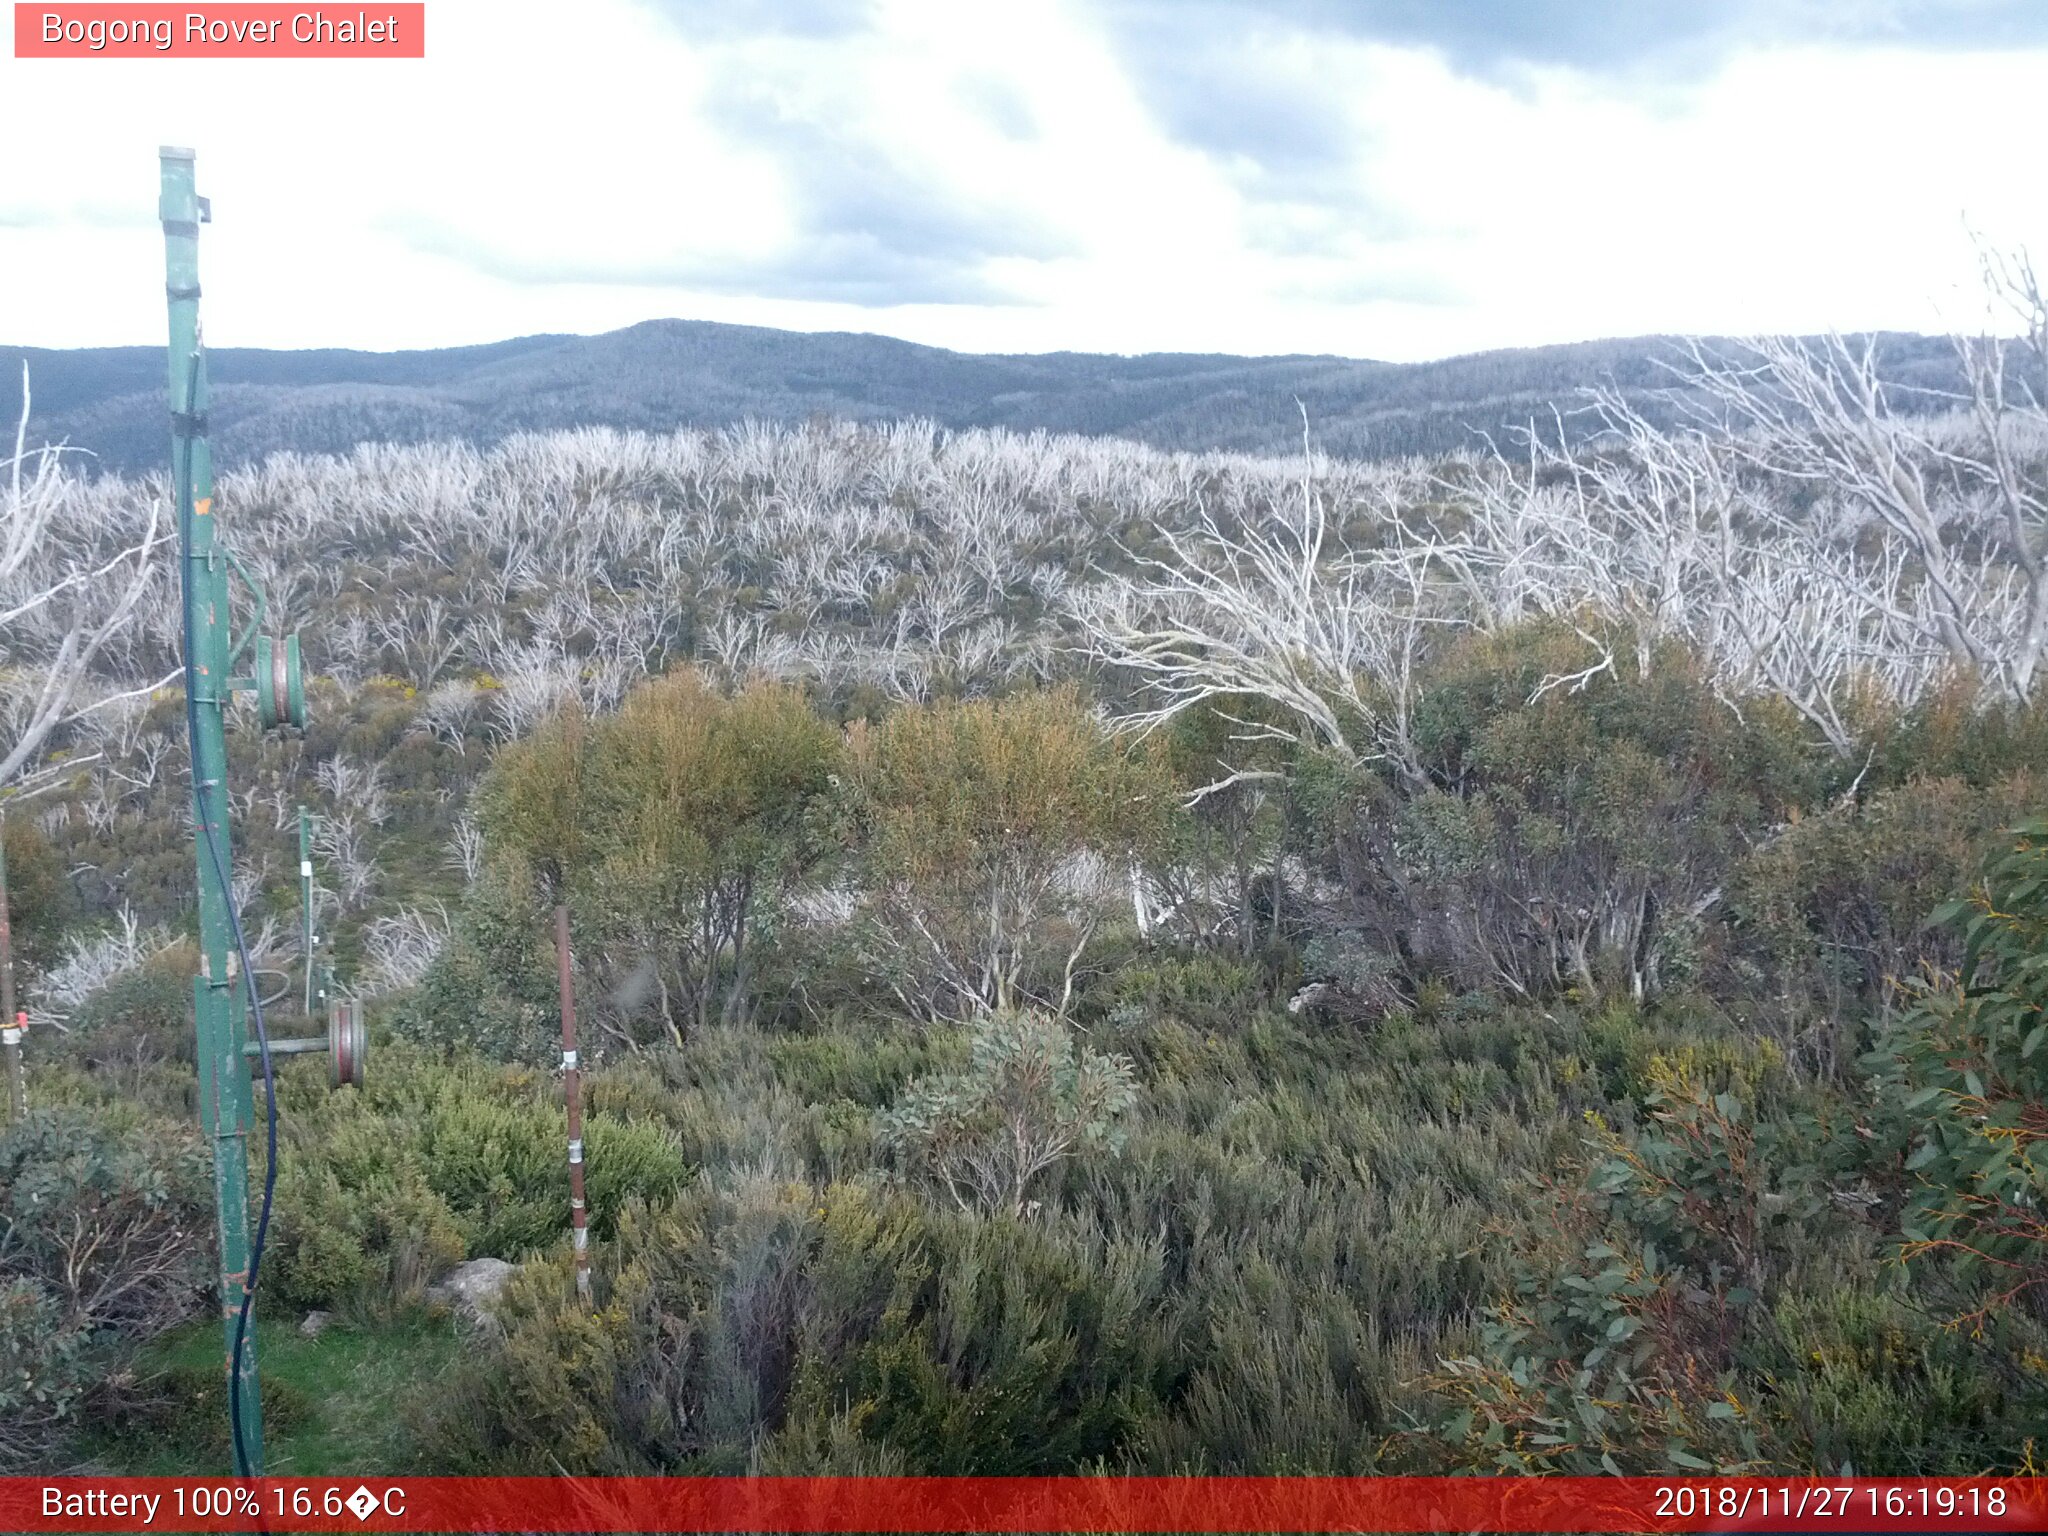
568,1061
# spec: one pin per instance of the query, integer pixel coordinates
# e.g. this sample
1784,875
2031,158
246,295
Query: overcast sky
1375,178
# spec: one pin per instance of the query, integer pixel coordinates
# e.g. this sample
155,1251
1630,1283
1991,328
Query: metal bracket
262,605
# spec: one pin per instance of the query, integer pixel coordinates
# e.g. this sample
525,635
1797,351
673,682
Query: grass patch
333,1405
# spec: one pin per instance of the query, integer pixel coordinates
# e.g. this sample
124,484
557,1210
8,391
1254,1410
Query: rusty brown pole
11,1023
572,1086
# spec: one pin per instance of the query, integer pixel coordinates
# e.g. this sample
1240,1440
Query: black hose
242,1466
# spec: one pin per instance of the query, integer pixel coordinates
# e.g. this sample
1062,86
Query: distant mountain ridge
665,374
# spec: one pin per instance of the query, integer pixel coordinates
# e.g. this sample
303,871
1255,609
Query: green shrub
373,1240
104,1228
382,1189
1205,991
971,820
1833,910
547,1392
974,1346
140,1020
1543,838
492,988
1866,1382
111,1221
1620,1348
39,899
1028,1100
869,1067
685,1354
47,1368
1969,1063
785,1322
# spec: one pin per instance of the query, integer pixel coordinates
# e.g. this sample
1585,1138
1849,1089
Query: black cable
242,1467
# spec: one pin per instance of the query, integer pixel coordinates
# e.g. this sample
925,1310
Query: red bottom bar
1022,1504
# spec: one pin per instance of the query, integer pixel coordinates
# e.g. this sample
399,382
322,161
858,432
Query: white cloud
1003,178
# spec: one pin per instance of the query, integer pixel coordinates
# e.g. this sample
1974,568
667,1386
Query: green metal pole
306,898
225,1108
10,1022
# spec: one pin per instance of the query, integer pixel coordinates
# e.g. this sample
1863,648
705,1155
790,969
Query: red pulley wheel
346,1044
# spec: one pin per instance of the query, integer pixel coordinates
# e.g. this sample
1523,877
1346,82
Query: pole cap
173,152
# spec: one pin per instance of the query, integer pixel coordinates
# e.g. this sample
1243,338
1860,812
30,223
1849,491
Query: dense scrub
1097,958
1563,1112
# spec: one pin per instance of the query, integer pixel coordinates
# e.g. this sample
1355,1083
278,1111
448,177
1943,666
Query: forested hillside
1092,956
676,373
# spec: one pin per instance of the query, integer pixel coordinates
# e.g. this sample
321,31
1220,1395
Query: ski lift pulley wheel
347,1045
280,683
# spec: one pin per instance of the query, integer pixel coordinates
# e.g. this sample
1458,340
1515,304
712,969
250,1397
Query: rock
1317,994
315,1324
471,1288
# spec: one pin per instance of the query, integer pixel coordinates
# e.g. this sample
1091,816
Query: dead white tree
247,882
356,786
1955,491
1271,612
423,637
1652,535
447,712
400,949
533,682
465,849
338,839
1808,533
91,962
64,592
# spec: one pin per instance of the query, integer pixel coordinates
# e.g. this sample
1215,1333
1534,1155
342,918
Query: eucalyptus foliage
1970,1058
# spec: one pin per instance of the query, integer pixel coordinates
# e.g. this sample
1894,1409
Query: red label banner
234,31
1023,1504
